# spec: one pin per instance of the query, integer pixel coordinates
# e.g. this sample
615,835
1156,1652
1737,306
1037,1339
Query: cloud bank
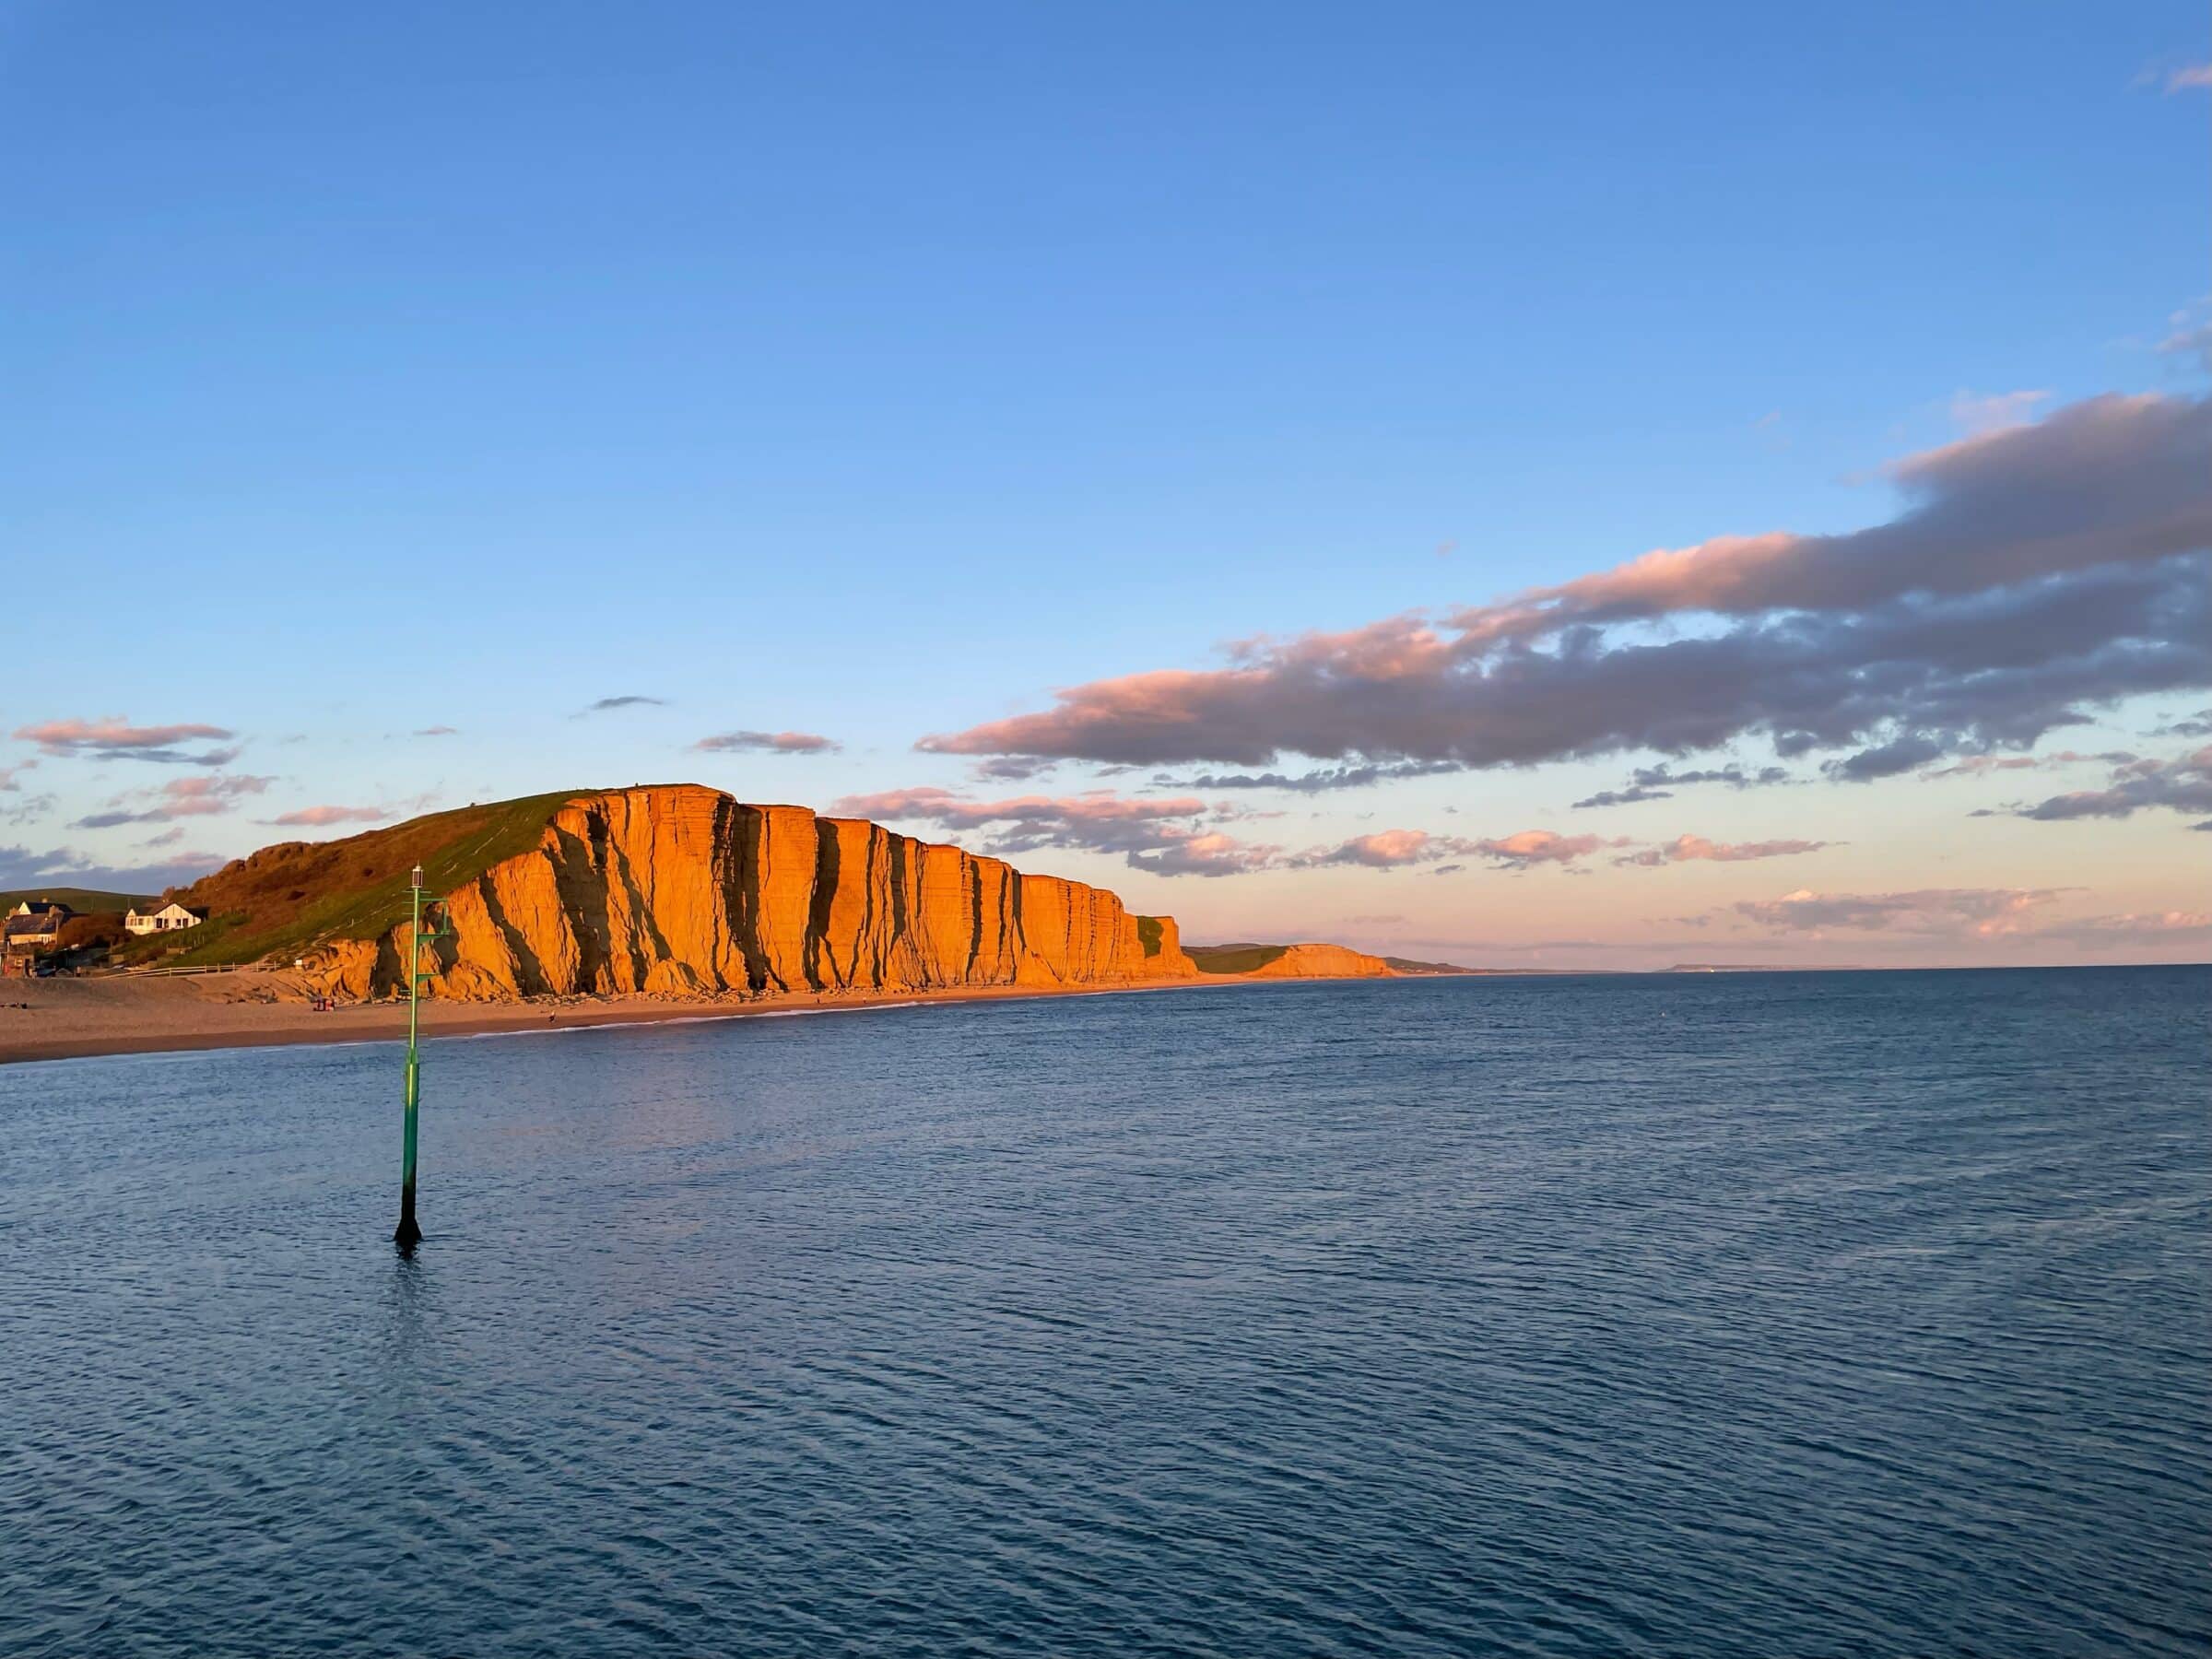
2034,570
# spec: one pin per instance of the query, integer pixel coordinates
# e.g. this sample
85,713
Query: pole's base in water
406,1235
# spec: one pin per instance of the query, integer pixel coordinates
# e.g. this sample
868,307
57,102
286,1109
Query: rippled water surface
1756,1315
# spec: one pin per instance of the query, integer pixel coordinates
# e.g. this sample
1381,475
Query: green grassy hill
1233,959
282,900
81,900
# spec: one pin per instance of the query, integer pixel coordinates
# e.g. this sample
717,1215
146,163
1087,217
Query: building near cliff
162,918
35,925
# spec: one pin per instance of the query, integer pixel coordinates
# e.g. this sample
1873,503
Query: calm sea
1763,1315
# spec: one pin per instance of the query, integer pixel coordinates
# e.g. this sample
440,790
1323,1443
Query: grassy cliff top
84,899
1233,959
284,899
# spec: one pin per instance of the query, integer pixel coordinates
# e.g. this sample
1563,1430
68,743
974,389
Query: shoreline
90,1019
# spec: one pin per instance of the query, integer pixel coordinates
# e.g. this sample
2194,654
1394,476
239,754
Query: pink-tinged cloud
2190,78
318,816
114,738
1387,849
768,743
2033,571
1202,853
2000,507
1532,847
1691,849
1979,912
1394,849
1163,835
181,797
11,777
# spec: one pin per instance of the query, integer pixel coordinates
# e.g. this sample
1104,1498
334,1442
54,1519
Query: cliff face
682,889
1323,961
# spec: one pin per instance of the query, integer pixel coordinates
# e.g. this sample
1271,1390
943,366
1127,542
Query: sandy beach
68,1018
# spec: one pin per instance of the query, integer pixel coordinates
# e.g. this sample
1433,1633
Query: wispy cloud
181,797
1978,412
2198,724
436,731
1010,769
1981,913
1975,766
1691,849
2155,927
2180,784
1312,782
114,738
24,809
629,700
1394,849
770,743
1659,782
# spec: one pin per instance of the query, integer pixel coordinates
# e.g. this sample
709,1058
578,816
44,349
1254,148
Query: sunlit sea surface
1764,1314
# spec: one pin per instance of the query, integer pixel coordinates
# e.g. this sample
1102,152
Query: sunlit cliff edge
682,889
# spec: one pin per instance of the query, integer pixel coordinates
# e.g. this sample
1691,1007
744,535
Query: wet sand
68,1018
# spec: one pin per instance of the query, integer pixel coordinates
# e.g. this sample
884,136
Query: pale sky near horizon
1162,412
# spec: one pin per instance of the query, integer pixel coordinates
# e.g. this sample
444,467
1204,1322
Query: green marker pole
408,1235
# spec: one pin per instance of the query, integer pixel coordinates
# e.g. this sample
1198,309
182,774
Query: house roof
165,905
39,907
32,927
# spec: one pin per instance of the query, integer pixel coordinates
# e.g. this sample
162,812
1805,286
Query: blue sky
876,371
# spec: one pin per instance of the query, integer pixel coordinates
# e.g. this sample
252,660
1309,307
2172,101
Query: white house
165,917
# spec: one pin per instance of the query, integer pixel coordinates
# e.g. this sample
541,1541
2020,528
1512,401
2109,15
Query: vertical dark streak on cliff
575,872
826,856
529,973
744,914
972,876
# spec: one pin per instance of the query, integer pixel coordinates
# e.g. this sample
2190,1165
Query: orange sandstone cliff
1322,961
680,889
